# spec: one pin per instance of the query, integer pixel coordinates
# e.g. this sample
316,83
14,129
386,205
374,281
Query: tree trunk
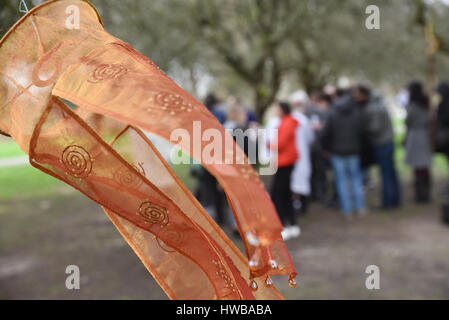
260,104
264,97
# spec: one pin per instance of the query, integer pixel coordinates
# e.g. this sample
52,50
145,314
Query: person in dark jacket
441,136
381,136
208,192
442,120
418,144
318,116
342,137
213,105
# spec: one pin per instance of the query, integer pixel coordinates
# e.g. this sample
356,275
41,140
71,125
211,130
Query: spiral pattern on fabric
153,213
107,71
77,161
128,178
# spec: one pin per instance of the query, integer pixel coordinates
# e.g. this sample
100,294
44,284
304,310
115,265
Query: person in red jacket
287,155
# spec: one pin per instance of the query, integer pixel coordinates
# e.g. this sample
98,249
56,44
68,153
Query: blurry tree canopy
255,48
9,14
436,14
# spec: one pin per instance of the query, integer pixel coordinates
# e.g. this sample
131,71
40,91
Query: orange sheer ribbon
98,150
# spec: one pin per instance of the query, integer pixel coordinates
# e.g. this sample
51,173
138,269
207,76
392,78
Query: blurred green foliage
259,49
26,181
10,149
23,181
263,49
9,14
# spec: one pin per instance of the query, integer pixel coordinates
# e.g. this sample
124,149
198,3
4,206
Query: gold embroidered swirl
174,236
77,161
107,71
153,213
128,178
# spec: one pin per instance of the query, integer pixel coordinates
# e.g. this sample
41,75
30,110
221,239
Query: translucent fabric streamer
99,149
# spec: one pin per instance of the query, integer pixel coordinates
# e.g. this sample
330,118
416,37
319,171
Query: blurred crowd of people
326,144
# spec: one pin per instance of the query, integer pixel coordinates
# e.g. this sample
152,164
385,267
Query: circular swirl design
174,104
169,238
108,71
77,161
128,178
153,214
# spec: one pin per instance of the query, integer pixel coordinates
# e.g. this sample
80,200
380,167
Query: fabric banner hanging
99,149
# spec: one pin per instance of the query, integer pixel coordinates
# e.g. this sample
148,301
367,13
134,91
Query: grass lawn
9,148
26,181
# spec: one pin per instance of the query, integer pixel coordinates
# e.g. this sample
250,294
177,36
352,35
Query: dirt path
40,237
410,247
